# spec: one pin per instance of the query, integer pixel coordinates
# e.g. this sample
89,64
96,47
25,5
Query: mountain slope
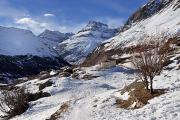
96,98
15,41
165,20
76,49
23,54
146,11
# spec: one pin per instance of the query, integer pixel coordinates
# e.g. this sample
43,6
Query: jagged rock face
76,49
149,9
13,67
55,36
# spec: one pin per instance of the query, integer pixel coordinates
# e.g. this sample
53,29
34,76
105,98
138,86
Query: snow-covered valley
91,74
95,99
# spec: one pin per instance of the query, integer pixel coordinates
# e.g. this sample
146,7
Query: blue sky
65,15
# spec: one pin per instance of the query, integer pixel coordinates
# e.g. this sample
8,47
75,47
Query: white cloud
48,15
31,24
21,18
38,26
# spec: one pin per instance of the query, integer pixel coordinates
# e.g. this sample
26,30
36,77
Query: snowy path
94,99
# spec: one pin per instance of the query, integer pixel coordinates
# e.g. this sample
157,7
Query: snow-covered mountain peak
96,30
55,36
95,26
76,49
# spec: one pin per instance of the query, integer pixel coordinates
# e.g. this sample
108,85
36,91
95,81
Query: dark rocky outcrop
12,67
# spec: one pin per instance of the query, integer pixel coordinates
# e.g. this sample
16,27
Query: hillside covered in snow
76,49
164,20
22,54
72,97
127,74
161,21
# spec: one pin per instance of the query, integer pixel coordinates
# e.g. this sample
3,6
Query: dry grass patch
58,113
13,102
138,96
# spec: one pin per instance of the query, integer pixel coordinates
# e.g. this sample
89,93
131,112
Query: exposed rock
46,84
38,95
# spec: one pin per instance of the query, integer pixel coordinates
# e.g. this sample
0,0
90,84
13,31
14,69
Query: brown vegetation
139,96
100,54
14,102
58,113
150,58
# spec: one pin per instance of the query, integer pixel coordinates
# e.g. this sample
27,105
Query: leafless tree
13,102
149,58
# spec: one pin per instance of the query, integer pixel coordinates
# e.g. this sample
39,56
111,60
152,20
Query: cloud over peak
32,24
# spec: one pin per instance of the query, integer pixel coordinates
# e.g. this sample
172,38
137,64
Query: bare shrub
13,102
150,57
138,96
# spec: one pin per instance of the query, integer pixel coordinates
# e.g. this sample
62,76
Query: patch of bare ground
89,77
59,112
138,96
38,95
46,84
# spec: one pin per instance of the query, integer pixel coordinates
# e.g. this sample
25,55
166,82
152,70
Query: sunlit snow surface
95,99
165,21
